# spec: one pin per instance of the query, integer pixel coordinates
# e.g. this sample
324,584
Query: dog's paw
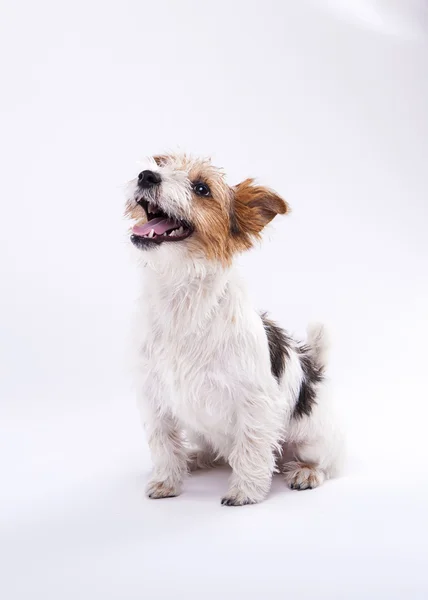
303,477
242,495
161,489
244,491
237,500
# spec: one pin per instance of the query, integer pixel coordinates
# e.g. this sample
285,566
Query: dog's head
181,202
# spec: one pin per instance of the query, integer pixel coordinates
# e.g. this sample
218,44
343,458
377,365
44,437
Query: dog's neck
192,298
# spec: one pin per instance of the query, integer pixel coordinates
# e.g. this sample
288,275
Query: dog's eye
201,189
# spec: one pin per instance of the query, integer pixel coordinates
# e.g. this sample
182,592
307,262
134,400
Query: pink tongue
159,224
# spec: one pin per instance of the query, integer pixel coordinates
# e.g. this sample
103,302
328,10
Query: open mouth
159,228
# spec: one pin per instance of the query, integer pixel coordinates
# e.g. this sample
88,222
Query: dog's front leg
168,453
252,455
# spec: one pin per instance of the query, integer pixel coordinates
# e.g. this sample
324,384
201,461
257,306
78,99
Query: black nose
147,179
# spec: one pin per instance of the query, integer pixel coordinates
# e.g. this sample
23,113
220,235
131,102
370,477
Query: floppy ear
254,207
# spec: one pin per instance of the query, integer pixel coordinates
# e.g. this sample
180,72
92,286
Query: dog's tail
318,343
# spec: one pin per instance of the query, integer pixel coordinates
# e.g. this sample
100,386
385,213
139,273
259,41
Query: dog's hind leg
314,448
313,438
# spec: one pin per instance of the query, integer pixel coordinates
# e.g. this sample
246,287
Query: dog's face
179,201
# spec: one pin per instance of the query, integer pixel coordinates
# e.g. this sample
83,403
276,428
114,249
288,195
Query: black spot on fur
313,375
313,372
279,344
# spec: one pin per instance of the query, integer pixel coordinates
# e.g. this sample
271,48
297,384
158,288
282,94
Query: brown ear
254,207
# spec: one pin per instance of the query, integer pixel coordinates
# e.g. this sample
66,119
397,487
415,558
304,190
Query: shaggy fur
216,382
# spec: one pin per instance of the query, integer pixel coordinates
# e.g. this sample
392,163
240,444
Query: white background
326,102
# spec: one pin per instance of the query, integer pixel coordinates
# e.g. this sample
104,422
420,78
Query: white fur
204,377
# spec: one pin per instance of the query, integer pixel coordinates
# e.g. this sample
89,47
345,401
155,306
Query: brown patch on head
210,213
228,220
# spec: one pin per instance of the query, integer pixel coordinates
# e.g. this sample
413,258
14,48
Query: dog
219,382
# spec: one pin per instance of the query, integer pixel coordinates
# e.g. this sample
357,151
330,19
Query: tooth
152,233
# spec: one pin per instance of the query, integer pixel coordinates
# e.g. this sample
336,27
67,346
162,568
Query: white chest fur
204,349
